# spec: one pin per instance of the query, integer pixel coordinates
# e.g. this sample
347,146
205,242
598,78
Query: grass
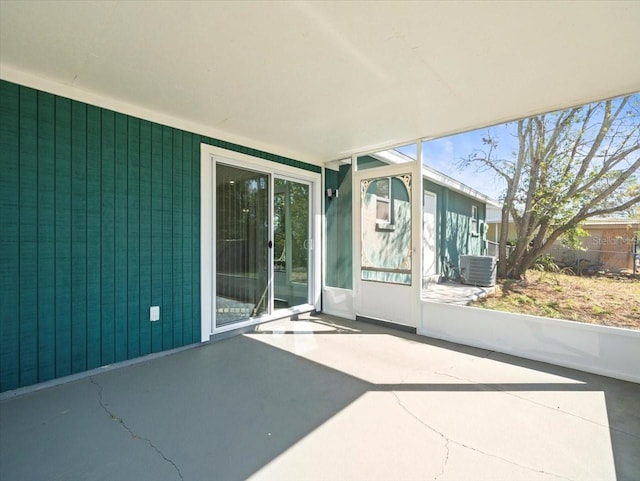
596,300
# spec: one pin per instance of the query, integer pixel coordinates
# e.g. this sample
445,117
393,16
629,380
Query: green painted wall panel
454,221
195,239
133,238
177,260
107,241
156,234
78,237
331,219
187,234
9,240
100,215
62,236
28,235
120,239
145,237
94,237
339,212
46,237
166,310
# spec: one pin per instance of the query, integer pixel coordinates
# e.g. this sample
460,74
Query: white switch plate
154,313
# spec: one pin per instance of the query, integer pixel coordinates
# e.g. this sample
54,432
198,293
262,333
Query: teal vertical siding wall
454,224
338,212
99,223
99,220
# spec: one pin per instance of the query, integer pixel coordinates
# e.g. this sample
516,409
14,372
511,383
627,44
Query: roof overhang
392,157
457,186
323,80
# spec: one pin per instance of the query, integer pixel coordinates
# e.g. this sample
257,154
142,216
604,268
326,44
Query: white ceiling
321,80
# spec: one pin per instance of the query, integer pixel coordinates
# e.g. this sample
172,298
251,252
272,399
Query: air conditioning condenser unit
478,270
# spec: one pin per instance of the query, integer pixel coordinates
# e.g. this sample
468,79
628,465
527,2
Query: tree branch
623,177
630,203
607,121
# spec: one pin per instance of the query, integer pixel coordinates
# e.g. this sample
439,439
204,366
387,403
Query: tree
569,166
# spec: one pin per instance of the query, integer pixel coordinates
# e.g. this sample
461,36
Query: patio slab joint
121,421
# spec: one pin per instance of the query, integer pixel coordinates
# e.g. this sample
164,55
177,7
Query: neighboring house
494,225
608,245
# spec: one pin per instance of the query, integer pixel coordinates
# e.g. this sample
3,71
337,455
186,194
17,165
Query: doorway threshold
389,324
225,332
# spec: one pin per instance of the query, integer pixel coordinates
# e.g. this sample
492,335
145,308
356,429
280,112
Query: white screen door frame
385,301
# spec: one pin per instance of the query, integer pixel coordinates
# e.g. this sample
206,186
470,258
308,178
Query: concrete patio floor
323,398
454,293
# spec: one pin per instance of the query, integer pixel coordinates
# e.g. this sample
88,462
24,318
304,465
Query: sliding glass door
242,233
291,243
262,239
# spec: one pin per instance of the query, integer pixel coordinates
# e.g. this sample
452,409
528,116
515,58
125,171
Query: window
383,201
474,220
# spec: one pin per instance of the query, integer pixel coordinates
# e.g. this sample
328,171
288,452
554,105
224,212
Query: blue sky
445,154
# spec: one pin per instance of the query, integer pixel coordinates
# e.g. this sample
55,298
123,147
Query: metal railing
492,249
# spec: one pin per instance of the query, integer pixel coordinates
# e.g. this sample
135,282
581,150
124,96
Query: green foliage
572,238
522,299
546,263
599,311
551,309
293,210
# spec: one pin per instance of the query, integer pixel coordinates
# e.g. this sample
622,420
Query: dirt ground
611,301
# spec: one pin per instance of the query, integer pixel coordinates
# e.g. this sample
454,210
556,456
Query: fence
609,253
618,254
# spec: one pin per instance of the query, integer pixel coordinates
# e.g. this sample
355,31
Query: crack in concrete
465,446
430,428
528,468
557,409
129,430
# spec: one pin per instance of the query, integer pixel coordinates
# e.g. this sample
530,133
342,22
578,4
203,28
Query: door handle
270,244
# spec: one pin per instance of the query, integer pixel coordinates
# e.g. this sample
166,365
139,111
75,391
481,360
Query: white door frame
310,229
209,156
395,303
428,193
